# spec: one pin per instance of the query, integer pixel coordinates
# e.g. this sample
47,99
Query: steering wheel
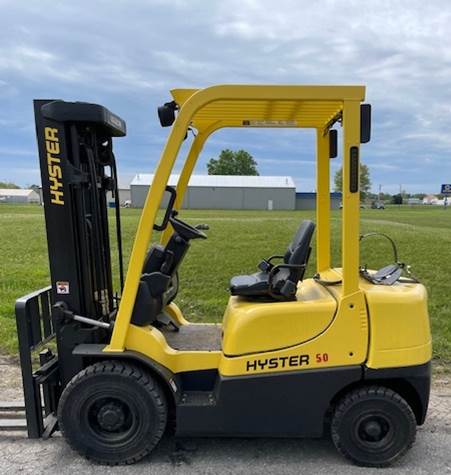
185,230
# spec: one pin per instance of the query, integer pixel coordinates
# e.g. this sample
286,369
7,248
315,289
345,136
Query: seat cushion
253,284
284,276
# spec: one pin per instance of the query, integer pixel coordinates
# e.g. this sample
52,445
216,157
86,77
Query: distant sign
446,189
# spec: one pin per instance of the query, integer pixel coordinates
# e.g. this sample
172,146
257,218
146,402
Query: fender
164,375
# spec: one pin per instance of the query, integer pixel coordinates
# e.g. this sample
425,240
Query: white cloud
129,55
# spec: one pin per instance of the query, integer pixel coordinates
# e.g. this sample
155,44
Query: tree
386,197
365,181
397,199
7,184
233,163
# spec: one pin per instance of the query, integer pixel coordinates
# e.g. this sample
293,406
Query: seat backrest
299,249
298,253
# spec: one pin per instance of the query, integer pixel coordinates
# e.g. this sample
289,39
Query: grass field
237,240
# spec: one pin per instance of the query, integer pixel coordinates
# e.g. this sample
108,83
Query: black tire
373,426
113,413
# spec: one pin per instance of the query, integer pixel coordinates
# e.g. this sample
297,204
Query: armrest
265,265
274,257
289,286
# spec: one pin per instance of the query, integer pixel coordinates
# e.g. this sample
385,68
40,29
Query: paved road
430,454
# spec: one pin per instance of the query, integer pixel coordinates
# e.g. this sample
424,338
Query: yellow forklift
346,351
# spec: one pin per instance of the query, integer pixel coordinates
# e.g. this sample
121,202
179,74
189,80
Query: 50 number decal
322,357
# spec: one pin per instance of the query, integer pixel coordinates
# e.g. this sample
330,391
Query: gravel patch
430,454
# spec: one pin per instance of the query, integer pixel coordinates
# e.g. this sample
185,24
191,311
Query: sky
127,55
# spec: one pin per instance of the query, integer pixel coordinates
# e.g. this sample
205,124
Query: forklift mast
77,170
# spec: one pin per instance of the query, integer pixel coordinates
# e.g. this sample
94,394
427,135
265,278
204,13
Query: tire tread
365,392
130,371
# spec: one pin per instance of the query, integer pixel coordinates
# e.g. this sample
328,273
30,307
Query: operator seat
278,281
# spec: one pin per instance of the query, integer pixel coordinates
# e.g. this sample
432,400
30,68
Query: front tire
113,413
373,426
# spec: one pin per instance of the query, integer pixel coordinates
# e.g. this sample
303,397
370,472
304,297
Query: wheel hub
111,417
373,429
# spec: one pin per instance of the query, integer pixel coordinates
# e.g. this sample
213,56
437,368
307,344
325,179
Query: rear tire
113,413
373,426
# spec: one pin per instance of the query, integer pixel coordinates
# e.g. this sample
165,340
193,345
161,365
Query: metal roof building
14,195
124,193
308,200
226,191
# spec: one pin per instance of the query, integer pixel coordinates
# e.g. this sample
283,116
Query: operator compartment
273,309
158,286
257,326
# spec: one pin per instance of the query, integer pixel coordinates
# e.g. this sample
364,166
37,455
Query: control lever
63,312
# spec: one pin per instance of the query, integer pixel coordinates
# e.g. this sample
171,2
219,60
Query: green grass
237,240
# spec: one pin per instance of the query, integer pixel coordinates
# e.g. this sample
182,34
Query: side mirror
365,123
166,113
333,144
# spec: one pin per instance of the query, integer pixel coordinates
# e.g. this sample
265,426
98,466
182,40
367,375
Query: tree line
8,185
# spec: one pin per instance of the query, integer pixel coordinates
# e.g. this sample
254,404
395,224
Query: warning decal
62,287
270,123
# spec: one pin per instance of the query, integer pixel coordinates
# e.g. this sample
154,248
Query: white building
12,195
124,194
430,200
225,191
